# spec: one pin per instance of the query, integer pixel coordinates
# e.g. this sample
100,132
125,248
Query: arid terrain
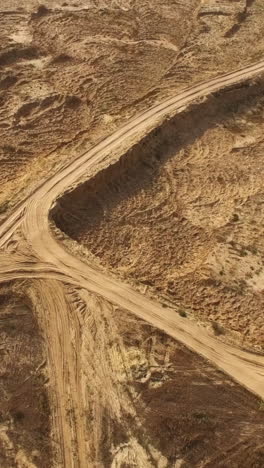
25,412
70,72
182,213
146,400
131,234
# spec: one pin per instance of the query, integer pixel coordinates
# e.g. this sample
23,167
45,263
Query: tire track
57,264
64,370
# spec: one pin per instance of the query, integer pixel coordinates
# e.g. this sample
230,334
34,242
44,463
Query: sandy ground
73,70
83,380
29,250
181,213
25,427
133,397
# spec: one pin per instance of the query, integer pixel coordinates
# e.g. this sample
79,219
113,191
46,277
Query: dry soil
179,216
182,213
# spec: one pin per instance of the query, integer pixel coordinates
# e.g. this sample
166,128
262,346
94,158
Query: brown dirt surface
171,230
148,401
66,68
182,213
190,411
71,71
24,407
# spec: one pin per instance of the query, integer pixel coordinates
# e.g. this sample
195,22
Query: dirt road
50,261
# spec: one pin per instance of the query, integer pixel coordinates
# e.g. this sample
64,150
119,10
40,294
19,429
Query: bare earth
182,213
131,250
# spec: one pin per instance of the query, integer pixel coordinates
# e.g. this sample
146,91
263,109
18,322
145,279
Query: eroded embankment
182,212
24,409
187,408
147,401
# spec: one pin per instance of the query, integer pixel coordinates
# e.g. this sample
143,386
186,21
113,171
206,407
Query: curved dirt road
52,263
61,181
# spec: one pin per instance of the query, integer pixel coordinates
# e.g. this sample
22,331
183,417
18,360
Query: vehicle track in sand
51,262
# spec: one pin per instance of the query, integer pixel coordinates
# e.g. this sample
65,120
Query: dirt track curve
55,264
